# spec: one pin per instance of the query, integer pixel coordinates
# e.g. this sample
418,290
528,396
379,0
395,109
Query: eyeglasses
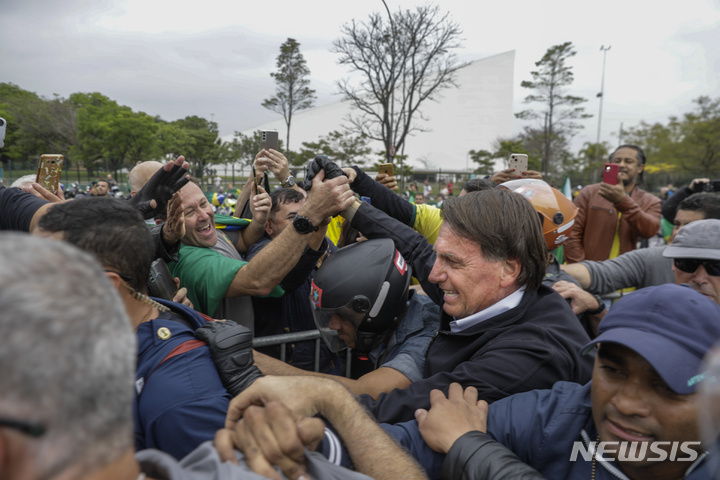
28,428
689,265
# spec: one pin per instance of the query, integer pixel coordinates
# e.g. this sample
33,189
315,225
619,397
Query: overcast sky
213,58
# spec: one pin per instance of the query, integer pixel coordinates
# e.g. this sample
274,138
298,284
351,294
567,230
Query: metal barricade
284,339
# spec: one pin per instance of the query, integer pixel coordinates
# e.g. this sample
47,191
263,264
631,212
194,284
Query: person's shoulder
645,195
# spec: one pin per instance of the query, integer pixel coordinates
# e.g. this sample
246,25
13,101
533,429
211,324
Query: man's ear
511,269
114,279
269,227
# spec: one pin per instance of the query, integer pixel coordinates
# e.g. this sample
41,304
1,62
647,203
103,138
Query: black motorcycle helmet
366,283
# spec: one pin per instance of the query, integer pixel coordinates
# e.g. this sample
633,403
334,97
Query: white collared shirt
507,303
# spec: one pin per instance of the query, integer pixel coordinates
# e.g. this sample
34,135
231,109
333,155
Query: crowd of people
479,351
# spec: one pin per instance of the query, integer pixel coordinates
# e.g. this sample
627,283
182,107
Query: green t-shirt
207,274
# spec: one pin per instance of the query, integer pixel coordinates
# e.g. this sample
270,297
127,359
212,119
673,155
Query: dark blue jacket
530,346
181,402
540,427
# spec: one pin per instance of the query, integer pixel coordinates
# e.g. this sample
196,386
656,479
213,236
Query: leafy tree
292,93
484,159
94,116
130,138
203,147
343,148
404,62
559,110
35,125
700,143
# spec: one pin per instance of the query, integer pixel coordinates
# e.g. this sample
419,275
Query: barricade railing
283,339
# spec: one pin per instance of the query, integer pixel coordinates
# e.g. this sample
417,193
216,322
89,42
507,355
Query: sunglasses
689,265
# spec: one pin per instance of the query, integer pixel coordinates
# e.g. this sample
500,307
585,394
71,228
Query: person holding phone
613,217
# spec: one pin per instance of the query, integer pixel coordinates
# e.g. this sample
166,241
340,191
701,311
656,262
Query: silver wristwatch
289,181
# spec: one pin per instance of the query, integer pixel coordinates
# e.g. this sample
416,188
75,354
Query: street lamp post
603,49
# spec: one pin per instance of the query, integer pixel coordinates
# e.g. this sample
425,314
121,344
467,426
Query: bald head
141,173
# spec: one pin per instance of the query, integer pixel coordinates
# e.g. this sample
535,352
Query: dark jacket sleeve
476,456
305,265
17,209
383,198
374,223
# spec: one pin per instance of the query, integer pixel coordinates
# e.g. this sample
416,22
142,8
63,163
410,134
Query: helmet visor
337,325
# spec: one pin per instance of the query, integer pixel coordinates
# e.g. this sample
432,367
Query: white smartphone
518,161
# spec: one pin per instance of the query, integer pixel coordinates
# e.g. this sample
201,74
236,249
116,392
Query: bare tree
403,60
293,93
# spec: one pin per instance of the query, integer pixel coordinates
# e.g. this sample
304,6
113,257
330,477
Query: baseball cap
671,326
698,239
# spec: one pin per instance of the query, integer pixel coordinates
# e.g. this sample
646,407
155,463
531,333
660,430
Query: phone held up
518,161
49,170
610,173
386,168
269,139
257,179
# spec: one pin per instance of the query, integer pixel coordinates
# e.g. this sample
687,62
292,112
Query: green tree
130,138
403,62
35,125
95,113
203,147
559,111
700,144
485,161
343,148
292,92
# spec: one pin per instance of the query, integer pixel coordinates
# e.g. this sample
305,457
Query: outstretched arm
372,451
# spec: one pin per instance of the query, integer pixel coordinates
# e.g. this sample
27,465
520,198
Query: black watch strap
599,309
303,225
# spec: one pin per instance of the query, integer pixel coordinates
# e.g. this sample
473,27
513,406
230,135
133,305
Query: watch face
289,182
302,224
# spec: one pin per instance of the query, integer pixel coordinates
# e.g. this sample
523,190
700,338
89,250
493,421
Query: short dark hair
505,226
705,202
284,195
110,229
478,184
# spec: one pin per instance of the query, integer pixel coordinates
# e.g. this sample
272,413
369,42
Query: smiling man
612,218
218,279
501,330
636,419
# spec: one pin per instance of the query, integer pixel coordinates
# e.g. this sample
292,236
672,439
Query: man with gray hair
73,418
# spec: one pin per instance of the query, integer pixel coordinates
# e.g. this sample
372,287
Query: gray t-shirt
204,463
238,309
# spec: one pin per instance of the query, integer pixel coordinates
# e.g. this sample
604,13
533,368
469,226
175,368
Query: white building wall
470,117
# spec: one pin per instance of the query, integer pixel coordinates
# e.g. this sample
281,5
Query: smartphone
518,161
610,173
270,139
257,179
161,283
49,170
386,168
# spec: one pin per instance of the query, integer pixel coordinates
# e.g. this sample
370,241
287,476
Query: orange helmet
556,211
